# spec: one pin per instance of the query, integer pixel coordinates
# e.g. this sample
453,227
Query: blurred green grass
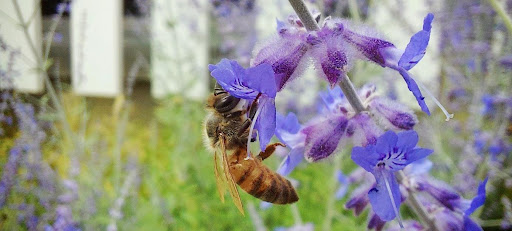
176,188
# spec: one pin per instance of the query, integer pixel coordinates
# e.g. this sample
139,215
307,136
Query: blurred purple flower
344,183
288,132
8,174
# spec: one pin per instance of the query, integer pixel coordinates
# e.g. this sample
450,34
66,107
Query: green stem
502,13
415,204
40,66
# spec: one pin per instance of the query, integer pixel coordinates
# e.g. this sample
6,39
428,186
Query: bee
226,132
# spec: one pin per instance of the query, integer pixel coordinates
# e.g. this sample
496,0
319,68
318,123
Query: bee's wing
233,190
220,178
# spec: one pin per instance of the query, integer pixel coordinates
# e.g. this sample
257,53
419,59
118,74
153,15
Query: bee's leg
269,150
248,121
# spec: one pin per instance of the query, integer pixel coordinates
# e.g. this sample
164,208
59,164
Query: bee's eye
226,103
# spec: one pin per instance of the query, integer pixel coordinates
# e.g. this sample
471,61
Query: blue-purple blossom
288,131
244,83
344,183
459,219
249,84
337,122
392,152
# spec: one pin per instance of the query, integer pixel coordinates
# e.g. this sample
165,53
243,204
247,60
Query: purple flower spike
323,137
284,53
392,152
417,46
334,66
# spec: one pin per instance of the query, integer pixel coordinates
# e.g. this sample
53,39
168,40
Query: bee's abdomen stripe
284,191
262,190
256,184
246,174
273,191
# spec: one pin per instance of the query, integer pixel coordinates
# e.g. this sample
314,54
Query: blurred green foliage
175,187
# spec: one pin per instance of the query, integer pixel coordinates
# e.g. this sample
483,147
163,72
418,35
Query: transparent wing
220,178
233,190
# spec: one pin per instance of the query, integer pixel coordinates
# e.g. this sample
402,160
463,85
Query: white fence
178,37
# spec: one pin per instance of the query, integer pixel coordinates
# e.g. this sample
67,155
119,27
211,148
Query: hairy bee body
227,131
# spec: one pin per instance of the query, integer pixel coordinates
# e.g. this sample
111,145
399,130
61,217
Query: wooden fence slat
27,78
96,47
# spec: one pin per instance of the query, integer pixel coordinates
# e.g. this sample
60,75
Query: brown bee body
227,130
258,180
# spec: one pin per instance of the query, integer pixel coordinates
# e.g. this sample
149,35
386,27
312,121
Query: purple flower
248,84
284,54
323,137
8,174
343,180
244,83
386,54
288,132
392,152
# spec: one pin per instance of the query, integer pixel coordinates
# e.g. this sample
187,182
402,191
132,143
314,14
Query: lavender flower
8,174
288,132
338,122
391,153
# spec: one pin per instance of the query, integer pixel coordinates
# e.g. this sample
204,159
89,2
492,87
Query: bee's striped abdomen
259,181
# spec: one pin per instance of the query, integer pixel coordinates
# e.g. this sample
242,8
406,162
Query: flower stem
416,205
346,85
502,13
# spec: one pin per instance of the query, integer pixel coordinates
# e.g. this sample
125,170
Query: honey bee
226,132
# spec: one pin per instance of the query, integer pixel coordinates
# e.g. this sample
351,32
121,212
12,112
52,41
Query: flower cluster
337,123
384,143
335,47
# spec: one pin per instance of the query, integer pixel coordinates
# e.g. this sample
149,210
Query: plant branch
416,205
40,66
502,13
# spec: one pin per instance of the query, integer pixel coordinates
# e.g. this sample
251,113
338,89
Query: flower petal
379,196
261,78
413,87
266,121
415,50
293,159
470,225
479,199
230,76
366,157
386,143
417,154
322,138
407,140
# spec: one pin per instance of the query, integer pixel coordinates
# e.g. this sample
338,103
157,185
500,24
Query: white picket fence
178,38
